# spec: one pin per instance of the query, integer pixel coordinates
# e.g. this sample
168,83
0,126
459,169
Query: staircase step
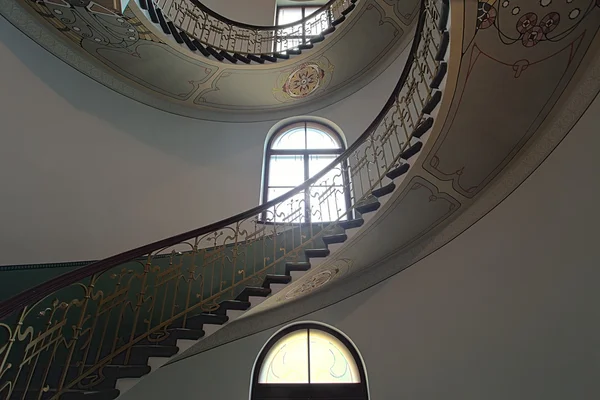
382,191
255,291
268,58
411,151
152,11
398,171
198,321
271,279
443,46
423,127
296,266
439,76
338,238
126,371
187,41
351,223
241,58
201,48
329,30
433,102
256,59
317,39
186,334
215,53
306,46
141,353
349,9
229,57
283,56
369,207
338,21
174,32
316,253
232,305
162,21
294,51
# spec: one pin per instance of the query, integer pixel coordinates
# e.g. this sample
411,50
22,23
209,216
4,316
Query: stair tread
398,171
270,279
309,253
337,238
351,223
368,207
382,191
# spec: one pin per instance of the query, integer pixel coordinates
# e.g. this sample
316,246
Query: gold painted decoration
304,80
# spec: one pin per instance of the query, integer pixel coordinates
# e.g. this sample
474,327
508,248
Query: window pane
292,139
330,360
287,360
286,170
290,211
317,139
317,162
288,15
327,204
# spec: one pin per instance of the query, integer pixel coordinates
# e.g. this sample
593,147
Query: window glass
316,139
292,139
286,170
296,154
287,15
330,360
287,360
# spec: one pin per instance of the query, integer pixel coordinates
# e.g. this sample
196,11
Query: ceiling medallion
304,80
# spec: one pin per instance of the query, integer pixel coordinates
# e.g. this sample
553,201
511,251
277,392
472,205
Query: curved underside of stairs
135,56
490,134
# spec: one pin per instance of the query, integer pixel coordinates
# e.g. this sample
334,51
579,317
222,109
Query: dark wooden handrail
39,292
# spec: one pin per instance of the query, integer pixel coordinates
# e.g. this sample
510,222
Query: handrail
84,320
218,33
38,292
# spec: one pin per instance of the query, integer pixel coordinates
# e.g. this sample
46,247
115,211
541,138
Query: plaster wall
87,173
508,309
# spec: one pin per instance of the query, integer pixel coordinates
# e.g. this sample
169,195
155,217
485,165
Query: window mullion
308,349
307,190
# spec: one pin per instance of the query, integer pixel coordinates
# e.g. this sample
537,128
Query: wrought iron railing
61,335
190,20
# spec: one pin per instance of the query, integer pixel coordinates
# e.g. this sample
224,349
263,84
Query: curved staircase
231,41
93,332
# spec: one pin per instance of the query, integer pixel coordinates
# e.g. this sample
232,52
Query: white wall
86,173
255,12
507,310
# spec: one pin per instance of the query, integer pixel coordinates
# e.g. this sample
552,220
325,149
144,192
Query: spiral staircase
94,332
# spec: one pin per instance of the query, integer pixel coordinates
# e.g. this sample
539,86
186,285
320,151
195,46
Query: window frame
306,153
302,391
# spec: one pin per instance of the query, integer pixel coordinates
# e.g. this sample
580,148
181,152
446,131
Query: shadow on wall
189,139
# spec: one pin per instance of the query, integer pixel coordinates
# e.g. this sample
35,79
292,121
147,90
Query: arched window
309,361
294,154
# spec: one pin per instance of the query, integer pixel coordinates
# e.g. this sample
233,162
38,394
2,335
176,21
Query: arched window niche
309,361
296,150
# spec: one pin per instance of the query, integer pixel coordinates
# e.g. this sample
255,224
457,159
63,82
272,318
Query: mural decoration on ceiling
532,49
153,68
304,80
